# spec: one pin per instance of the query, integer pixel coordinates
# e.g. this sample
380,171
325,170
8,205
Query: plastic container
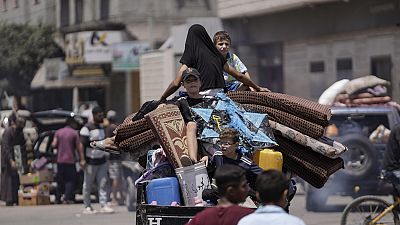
193,180
164,191
268,159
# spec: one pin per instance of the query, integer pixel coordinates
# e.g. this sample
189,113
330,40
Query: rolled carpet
311,166
130,128
306,109
331,151
139,144
306,127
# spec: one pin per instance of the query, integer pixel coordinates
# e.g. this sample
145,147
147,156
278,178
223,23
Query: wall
359,29
28,12
360,46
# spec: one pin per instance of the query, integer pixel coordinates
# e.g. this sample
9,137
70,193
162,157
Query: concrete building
28,11
88,31
301,47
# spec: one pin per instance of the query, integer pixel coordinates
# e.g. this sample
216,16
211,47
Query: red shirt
68,141
220,215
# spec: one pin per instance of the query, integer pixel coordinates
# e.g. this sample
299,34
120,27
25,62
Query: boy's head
98,114
229,142
191,81
222,42
232,183
272,188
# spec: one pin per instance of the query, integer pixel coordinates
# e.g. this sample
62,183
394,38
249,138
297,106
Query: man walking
66,140
95,164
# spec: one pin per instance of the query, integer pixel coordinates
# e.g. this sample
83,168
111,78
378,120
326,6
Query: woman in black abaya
201,53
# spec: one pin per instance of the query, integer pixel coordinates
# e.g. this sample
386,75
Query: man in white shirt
272,189
95,163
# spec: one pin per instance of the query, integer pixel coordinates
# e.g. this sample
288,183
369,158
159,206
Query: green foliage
22,49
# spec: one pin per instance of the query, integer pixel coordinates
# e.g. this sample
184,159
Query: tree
22,49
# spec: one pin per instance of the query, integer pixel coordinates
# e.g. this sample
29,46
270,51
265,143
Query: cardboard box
32,198
42,188
35,178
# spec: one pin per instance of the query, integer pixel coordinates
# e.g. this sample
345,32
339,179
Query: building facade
315,43
87,31
28,11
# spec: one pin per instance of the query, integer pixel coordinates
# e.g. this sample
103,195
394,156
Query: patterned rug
169,127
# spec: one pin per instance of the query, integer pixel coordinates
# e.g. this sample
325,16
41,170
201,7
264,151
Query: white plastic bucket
193,180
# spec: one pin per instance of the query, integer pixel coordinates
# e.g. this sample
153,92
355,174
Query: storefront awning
49,78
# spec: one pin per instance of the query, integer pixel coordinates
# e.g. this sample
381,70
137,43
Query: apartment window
317,67
78,11
104,9
35,2
15,4
381,66
64,13
344,68
3,5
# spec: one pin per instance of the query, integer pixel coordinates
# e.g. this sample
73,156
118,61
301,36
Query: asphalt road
72,214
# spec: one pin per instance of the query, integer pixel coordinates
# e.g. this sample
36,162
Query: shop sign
125,56
90,46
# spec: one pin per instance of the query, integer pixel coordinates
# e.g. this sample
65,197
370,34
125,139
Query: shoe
106,209
101,145
89,210
186,161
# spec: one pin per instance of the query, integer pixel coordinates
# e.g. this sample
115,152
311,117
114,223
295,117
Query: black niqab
201,53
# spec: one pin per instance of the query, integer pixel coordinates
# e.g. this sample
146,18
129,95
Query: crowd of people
72,146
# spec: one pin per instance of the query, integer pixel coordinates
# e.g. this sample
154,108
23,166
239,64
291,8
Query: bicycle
368,210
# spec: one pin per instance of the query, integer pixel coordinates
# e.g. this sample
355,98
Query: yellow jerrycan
268,159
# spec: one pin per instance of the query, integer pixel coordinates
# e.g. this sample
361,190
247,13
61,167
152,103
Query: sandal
101,145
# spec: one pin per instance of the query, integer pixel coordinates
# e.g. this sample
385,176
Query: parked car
363,160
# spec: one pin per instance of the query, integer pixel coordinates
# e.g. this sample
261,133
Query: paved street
62,215
71,214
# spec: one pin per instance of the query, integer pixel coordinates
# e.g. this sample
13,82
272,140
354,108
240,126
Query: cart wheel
364,209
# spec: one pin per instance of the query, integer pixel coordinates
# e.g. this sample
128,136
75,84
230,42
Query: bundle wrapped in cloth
366,90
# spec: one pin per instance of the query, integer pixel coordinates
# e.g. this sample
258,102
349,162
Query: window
78,11
381,66
3,5
15,4
317,67
344,68
104,9
64,13
35,2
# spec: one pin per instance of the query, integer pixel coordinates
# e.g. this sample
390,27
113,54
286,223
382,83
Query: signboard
90,46
125,55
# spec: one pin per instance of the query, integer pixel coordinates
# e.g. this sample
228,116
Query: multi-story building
301,47
88,31
146,21
28,11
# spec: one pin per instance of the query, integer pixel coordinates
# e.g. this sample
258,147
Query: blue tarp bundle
217,113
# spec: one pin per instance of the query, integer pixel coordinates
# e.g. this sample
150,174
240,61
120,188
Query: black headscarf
201,53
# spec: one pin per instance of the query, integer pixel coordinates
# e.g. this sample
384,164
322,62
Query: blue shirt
270,214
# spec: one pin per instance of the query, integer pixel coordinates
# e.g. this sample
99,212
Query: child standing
222,42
